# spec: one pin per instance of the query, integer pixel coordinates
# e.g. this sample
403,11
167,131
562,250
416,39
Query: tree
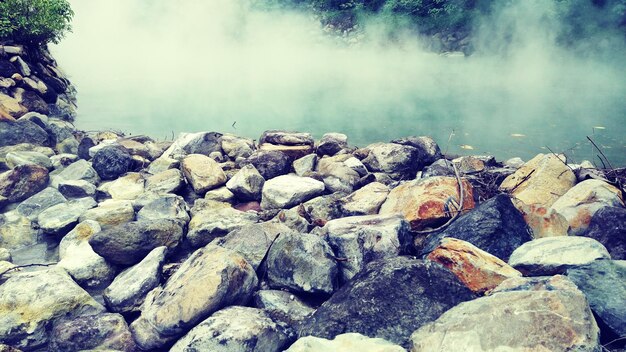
34,22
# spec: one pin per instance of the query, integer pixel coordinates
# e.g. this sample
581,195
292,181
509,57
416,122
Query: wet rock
64,216
389,299
495,227
235,329
393,158
237,147
23,182
554,255
302,263
338,176
202,173
34,205
441,167
168,181
583,200
270,163
16,231
167,207
127,187
14,159
246,184
80,170
96,332
282,305
344,343
209,224
332,143
608,226
558,319
477,269
305,164
359,240
289,190
212,278
111,162
428,202
110,213
129,289
428,149
366,201
31,301
77,188
129,243
542,180
604,284
77,257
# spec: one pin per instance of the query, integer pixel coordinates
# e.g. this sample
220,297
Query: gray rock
60,130
428,149
167,181
514,163
192,143
110,162
441,167
270,163
110,213
77,188
302,263
365,201
127,187
34,205
202,173
282,305
22,182
98,332
40,119
17,231
169,206
305,164
209,280
246,184
5,255
235,329
129,243
129,289
344,343
12,133
289,190
322,209
237,147
80,170
608,226
61,217
292,219
221,194
339,176
207,225
392,158
362,239
61,161
332,143
286,138
14,159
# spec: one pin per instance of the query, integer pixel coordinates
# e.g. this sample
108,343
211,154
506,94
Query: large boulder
389,299
23,182
344,343
428,202
235,329
608,226
542,180
358,240
129,243
95,332
14,159
111,162
521,319
495,226
210,279
216,221
246,184
289,190
202,173
12,133
270,163
400,160
279,137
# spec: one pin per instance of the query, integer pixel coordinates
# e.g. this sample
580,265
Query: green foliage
34,22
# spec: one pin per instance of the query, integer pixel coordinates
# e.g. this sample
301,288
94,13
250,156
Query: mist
163,67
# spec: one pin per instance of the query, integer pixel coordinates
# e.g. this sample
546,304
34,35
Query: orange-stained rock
423,202
477,269
544,222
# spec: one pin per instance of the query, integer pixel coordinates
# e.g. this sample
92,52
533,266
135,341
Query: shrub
34,22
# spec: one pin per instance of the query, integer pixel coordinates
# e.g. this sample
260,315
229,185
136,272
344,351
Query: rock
98,332
16,231
210,279
514,163
7,69
34,205
542,180
221,194
202,172
428,202
77,188
129,289
61,161
332,143
344,343
282,305
12,106
80,170
12,133
207,225
286,138
168,181
198,143
365,201
246,184
127,187
23,182
554,255
289,190
77,257
319,210
40,119
393,158
85,144
477,269
110,213
441,167
337,175
542,221
428,149
235,329
270,163
237,147
469,165
583,200
64,216
389,299
608,226
136,148
305,164
31,301
539,319
302,263
292,219
495,226
15,159
129,243
604,284
5,255
362,239
60,130
252,241
111,162
167,207
162,164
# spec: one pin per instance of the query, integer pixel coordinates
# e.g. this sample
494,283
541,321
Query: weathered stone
428,149
542,221
15,159
136,148
305,164
362,239
282,305
365,201
111,162
34,205
5,255
127,187
212,278
129,289
191,143
31,301
16,231
167,207
477,269
332,143
221,194
235,329
110,213
554,255
302,263
337,175
60,130
608,226
441,167
12,106
64,216
96,332
61,161
542,180
168,181
558,319
469,164
12,133
162,164
344,343
207,225
202,172
7,69
319,210
289,190
389,299
428,202
246,184
129,243
270,163
23,182
80,170
237,147
77,188
292,219
286,138
393,158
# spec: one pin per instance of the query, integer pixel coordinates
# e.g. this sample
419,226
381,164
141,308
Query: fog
163,67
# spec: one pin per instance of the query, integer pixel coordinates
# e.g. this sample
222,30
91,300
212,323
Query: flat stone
64,216
168,181
35,204
286,138
110,213
166,207
207,225
365,201
289,190
127,187
79,170
14,159
202,172
282,305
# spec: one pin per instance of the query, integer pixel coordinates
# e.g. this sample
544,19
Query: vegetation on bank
34,22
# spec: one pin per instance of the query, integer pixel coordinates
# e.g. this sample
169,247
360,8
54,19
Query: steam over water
163,67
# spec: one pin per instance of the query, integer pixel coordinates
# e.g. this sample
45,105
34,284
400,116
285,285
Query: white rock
289,190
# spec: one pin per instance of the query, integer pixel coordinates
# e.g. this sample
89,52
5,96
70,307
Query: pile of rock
214,243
